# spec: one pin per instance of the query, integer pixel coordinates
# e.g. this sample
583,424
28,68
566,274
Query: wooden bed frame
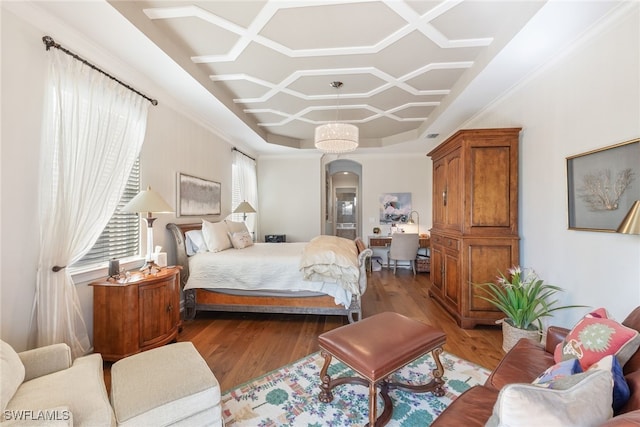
209,300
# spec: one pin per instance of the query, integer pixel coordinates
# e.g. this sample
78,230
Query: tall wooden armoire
475,219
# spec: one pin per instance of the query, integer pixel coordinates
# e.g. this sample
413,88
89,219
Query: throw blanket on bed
331,259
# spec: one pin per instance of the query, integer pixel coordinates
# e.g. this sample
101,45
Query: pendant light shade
336,137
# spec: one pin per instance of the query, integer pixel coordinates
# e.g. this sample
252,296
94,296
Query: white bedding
262,266
331,258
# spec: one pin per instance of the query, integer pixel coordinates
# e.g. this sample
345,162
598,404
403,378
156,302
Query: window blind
121,237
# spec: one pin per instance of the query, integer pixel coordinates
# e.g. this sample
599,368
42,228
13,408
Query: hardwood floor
239,347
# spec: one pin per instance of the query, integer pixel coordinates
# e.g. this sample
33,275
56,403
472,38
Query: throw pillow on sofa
557,371
596,336
579,400
621,392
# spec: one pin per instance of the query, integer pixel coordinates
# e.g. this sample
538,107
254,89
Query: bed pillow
241,240
596,336
215,236
194,242
575,401
235,226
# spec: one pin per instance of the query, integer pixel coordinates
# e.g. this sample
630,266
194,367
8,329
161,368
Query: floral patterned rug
289,396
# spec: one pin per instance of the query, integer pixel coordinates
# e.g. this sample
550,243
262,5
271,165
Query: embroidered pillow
596,336
215,236
241,240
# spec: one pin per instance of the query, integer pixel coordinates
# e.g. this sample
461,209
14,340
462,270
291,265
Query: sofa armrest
45,360
555,335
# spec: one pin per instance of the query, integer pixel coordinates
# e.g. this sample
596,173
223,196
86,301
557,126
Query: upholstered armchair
44,387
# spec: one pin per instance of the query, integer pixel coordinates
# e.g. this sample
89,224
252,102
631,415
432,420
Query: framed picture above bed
197,196
602,186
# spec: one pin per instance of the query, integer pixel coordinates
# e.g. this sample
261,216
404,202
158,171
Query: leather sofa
522,364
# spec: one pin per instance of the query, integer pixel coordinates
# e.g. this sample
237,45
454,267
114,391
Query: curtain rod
49,43
244,154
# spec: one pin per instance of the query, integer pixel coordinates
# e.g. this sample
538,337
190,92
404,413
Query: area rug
289,396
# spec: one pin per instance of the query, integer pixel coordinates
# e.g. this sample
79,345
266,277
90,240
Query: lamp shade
631,223
147,201
244,208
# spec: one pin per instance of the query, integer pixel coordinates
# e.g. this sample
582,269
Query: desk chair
404,247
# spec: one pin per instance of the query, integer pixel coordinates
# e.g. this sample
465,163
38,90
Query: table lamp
631,222
150,202
410,221
244,208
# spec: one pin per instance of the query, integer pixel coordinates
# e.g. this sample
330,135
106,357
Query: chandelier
336,137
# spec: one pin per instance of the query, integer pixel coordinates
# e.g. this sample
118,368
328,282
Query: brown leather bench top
378,345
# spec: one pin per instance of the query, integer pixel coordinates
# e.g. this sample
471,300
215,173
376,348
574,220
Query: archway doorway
341,195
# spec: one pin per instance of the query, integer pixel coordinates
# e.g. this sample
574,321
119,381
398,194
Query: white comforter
262,266
334,259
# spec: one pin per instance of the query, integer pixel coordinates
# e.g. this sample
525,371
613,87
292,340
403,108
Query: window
236,198
121,237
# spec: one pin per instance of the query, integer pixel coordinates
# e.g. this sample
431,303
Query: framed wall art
602,186
394,207
197,196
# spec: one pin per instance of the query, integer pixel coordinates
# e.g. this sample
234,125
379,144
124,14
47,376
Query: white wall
586,100
173,144
290,191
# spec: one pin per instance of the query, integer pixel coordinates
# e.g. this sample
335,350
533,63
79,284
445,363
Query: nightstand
138,315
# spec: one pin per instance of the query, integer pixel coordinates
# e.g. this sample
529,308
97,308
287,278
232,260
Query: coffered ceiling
259,72
272,62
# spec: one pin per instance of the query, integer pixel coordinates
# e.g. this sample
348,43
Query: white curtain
93,129
246,184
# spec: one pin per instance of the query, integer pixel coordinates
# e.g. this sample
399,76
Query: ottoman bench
170,385
375,348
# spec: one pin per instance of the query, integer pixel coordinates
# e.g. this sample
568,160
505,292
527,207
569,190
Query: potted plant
525,299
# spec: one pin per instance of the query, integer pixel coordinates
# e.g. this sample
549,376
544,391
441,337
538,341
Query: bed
216,290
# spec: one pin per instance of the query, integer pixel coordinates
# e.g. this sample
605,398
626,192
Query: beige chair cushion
80,388
11,373
163,386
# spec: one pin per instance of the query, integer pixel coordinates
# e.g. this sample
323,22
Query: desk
385,241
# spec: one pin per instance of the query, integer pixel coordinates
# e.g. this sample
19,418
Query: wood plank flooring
239,347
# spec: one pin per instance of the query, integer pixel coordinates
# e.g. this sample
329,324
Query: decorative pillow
581,400
215,236
596,336
557,371
241,239
236,227
621,392
12,371
194,242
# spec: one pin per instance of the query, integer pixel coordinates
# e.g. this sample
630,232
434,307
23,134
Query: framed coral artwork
602,186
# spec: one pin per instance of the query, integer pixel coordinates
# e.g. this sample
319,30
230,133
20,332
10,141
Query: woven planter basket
511,335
